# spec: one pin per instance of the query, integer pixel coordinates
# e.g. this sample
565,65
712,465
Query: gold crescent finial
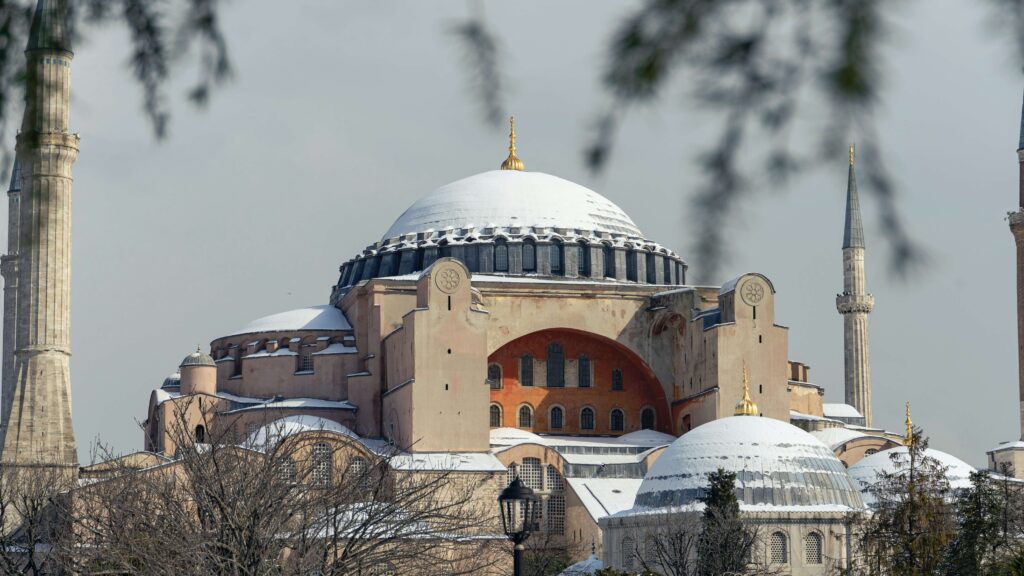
852,149
512,162
910,427
746,406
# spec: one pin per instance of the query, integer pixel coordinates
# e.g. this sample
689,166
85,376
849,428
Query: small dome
776,465
197,358
511,199
323,318
866,471
172,381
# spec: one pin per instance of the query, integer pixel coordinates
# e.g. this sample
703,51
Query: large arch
641,388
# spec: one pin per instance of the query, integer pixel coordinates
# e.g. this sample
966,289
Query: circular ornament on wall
447,280
752,292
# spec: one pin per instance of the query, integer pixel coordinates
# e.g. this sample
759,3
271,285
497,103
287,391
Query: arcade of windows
547,483
555,371
557,418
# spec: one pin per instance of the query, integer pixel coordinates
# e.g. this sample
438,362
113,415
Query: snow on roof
584,567
305,403
605,496
336,348
503,437
264,354
512,198
834,437
840,411
273,432
866,471
776,464
323,317
1008,445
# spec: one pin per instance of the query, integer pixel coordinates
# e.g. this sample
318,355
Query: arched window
512,473
287,471
556,366
631,265
556,418
532,474
609,262
583,262
525,416
667,270
628,553
200,434
500,256
494,376
495,411
618,420
778,548
687,425
554,480
647,419
616,379
555,250
587,419
650,268
529,256
812,548
526,370
321,464
584,372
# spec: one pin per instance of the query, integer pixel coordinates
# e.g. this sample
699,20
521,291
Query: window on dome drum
529,256
532,474
616,379
587,419
631,265
583,262
287,471
556,418
556,258
236,369
618,420
494,376
472,255
778,548
647,419
500,257
321,464
526,370
305,361
525,417
650,268
556,514
609,262
583,372
495,416
812,548
556,366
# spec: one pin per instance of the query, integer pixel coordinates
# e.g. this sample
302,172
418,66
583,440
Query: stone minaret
9,269
37,404
1016,219
855,304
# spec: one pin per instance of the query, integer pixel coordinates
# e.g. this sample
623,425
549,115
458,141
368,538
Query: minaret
1016,219
37,419
854,304
9,270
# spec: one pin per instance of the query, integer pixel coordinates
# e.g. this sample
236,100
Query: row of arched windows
554,371
587,420
778,550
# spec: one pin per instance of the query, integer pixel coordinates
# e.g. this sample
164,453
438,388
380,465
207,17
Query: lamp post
519,508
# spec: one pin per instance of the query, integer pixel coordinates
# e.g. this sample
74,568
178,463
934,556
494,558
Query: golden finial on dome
910,428
746,406
852,149
512,162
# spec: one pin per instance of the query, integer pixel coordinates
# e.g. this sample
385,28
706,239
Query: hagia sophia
510,324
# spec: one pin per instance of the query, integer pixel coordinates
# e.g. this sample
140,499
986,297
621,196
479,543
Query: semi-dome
319,318
517,223
513,199
777,465
866,472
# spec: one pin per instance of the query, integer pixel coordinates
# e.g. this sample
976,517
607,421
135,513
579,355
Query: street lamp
519,508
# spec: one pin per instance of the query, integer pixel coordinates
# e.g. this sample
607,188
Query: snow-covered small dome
323,317
512,199
273,432
867,470
197,358
172,381
776,465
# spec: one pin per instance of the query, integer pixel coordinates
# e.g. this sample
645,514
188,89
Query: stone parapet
853,303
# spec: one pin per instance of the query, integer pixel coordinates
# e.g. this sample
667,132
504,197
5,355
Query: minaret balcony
1016,218
853,303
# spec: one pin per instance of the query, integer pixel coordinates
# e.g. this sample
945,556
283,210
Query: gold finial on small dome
852,150
910,428
512,162
746,406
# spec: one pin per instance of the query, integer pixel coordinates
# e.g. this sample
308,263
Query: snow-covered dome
777,465
197,358
324,318
273,432
512,199
867,470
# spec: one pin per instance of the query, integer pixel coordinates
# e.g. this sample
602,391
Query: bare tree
31,499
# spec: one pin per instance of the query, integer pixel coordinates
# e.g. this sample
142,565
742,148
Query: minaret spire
855,303
1016,219
910,427
512,162
35,424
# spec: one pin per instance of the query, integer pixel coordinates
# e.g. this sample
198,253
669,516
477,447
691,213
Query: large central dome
513,199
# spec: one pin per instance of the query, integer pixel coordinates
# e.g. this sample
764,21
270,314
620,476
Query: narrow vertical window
631,265
494,376
321,464
647,419
650,268
200,434
305,360
532,474
495,416
609,262
287,472
556,418
556,366
587,419
583,262
616,379
667,270
501,256
812,548
526,370
779,548
584,372
556,514
556,257
618,421
525,417
529,256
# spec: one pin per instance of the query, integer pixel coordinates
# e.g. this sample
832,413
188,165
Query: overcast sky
343,113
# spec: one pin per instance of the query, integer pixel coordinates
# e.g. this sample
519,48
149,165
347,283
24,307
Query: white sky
341,114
